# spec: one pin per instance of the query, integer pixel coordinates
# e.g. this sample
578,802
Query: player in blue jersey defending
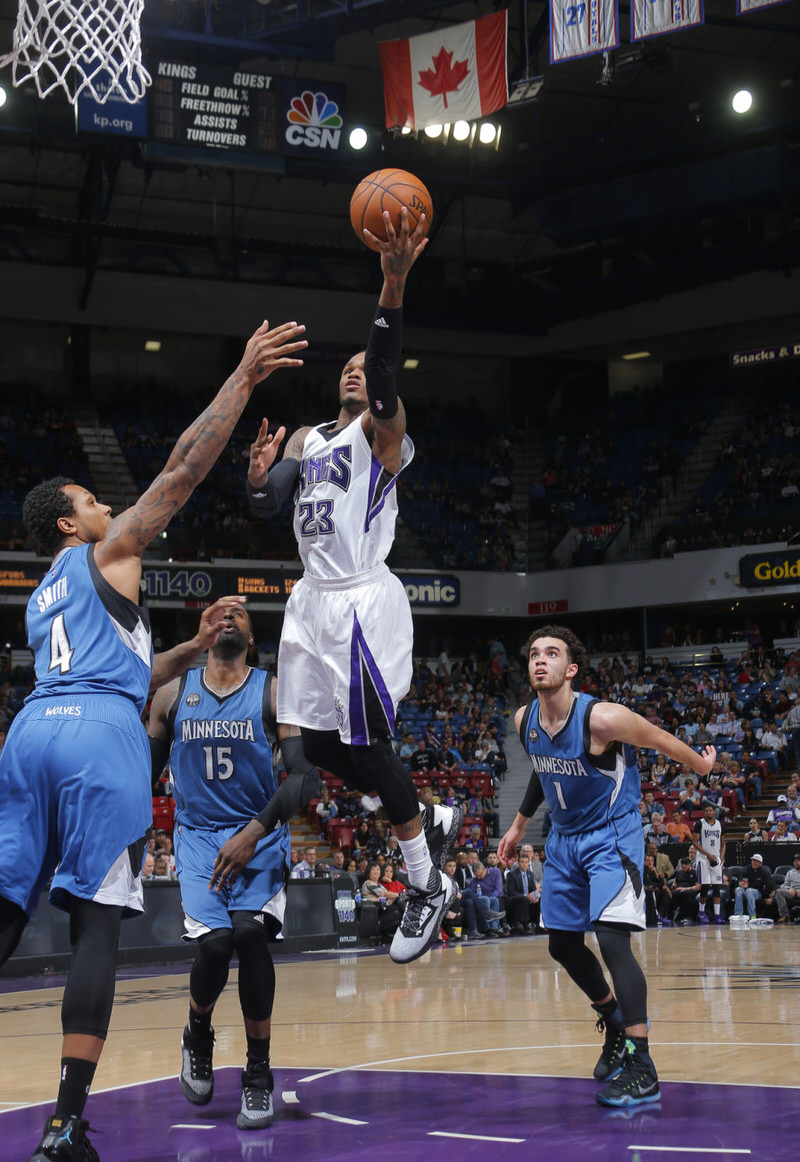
77,755
345,657
583,766
221,726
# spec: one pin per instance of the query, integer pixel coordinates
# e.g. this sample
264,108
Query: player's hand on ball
270,348
263,451
400,250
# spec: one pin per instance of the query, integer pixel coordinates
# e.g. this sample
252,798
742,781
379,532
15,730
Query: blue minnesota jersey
583,791
87,637
221,757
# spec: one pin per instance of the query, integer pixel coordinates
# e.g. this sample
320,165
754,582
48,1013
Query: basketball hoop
88,46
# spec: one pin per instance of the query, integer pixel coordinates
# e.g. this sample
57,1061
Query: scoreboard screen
212,107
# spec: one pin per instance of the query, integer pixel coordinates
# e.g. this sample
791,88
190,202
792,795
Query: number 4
60,649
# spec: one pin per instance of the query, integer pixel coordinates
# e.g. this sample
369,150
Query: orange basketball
389,189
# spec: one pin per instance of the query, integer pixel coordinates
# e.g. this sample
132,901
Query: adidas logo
381,322
258,917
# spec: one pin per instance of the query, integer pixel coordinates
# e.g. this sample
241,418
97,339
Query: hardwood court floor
492,1042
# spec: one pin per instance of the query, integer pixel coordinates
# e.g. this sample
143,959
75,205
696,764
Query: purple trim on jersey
375,505
361,656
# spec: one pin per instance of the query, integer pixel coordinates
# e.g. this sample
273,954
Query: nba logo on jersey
533,736
193,700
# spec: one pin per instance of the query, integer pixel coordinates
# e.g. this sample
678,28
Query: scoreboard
224,115
214,108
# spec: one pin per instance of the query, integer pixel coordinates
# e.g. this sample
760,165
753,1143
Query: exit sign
535,607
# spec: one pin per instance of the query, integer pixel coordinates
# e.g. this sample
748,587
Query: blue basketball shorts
260,887
76,799
595,875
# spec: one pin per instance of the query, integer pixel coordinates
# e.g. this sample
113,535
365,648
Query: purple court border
363,1115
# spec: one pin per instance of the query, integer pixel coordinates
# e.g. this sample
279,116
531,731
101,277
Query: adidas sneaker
257,1086
197,1074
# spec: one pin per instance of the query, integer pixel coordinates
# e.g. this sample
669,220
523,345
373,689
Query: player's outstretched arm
267,487
196,451
612,723
172,663
385,421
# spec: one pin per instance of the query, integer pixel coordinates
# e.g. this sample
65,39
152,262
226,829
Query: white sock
418,860
717,907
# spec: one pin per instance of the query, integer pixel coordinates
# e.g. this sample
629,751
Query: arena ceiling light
3,96
411,365
152,345
461,130
636,355
488,133
358,137
434,130
742,101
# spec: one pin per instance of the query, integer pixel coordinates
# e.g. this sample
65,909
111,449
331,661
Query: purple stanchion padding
356,1116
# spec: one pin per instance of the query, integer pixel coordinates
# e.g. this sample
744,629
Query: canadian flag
458,74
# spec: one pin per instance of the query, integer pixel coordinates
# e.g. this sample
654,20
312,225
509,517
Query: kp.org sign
313,117
759,570
431,590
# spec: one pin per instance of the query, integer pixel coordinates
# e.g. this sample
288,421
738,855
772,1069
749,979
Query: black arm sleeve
265,502
382,361
534,797
296,791
159,753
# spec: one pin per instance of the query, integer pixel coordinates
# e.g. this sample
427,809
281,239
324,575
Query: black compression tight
12,923
89,991
630,986
367,768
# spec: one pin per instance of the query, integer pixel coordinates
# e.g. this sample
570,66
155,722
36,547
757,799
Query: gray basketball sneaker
197,1074
256,1111
422,918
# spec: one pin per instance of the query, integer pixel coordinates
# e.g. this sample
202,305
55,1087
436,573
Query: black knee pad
569,950
380,767
209,973
256,969
89,991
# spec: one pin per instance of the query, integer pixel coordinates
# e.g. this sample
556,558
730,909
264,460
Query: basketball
389,189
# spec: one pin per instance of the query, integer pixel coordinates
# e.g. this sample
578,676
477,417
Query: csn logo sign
426,590
314,118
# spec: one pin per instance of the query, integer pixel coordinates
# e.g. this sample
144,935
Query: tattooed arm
118,555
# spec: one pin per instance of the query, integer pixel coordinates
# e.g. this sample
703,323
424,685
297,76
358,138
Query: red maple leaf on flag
444,77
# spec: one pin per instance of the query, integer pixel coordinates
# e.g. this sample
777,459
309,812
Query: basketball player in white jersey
345,654
710,844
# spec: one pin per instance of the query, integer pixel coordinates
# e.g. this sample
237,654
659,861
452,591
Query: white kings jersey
710,838
345,503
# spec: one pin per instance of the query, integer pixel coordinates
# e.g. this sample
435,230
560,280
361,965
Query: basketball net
88,46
